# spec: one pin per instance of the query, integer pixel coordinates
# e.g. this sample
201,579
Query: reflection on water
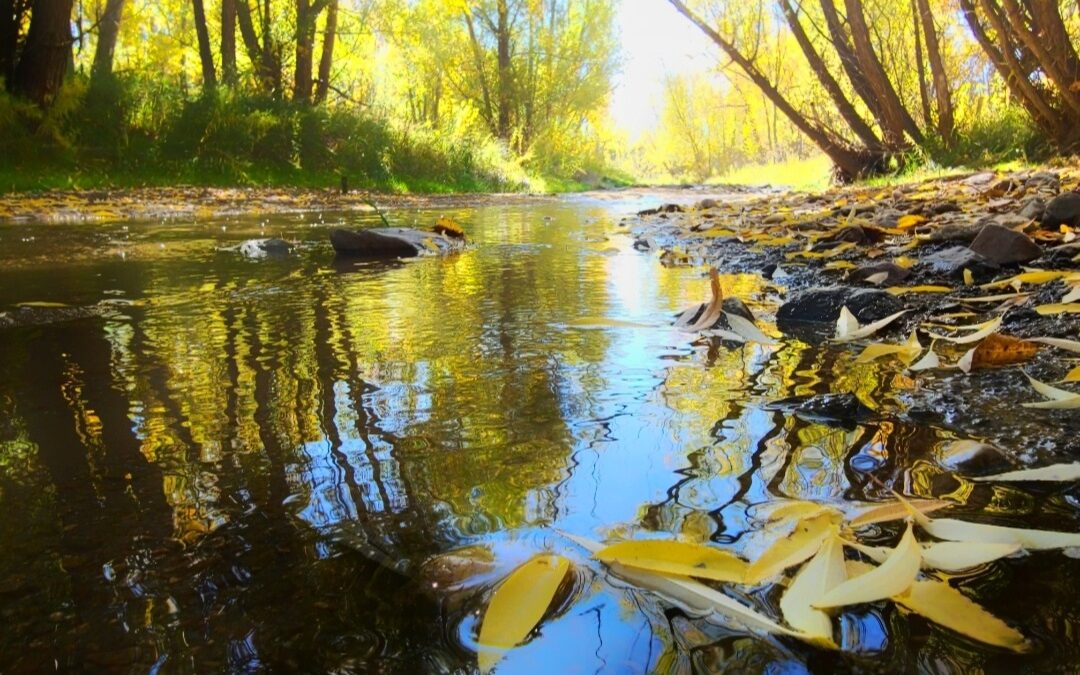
238,464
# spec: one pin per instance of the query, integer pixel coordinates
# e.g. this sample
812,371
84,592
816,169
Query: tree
228,42
326,61
206,55
12,16
45,53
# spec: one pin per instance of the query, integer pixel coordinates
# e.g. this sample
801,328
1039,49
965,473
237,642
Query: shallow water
209,462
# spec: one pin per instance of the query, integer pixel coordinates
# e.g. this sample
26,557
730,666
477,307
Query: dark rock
960,233
261,248
980,180
1062,210
972,458
391,242
665,208
1063,255
858,234
953,261
887,217
707,203
931,209
1033,209
895,272
845,409
739,308
822,306
1004,246
1043,180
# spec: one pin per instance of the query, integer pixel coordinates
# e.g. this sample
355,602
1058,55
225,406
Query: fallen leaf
902,290
909,221
948,556
1060,308
1031,277
1054,472
846,323
798,509
907,351
877,278
944,605
803,542
1057,398
888,511
1060,343
41,304
961,530
518,605
966,360
1073,375
980,331
969,278
844,332
892,577
929,361
997,298
824,572
1000,350
677,558
1072,296
741,326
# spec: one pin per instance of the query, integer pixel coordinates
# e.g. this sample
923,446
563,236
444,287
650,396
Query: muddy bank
994,250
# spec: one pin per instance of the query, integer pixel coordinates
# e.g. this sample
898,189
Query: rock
971,457
858,234
980,180
1043,180
1033,209
261,248
887,217
963,233
707,203
822,306
739,308
845,409
895,272
1011,221
391,242
1062,210
1004,246
953,261
931,209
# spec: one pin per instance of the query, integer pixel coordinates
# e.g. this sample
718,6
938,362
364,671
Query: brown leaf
1000,350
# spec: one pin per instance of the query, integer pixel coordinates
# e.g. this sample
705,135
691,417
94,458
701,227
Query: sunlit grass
808,174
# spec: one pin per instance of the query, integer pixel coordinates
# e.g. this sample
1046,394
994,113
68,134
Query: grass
811,174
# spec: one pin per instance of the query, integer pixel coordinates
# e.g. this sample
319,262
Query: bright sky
656,41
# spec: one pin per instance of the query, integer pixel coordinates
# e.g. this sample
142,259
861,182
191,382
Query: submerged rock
823,305
261,248
836,408
1004,246
1062,210
392,242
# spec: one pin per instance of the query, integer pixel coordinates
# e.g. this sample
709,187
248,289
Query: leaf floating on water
944,605
1060,343
892,577
948,556
1058,398
714,310
896,510
965,361
1059,308
1055,472
902,290
824,572
848,329
980,331
802,543
929,361
799,509
1001,350
1073,375
907,351
677,558
747,329
518,605
960,530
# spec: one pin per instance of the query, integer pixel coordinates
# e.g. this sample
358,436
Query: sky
656,41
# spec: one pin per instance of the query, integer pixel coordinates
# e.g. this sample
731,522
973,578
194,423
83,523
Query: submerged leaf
944,605
676,557
1055,472
824,572
892,577
518,605
802,543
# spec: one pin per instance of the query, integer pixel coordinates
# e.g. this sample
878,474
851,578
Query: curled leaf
824,572
948,556
980,331
961,530
676,557
892,577
741,326
1055,472
944,605
928,361
1000,350
1057,398
907,351
1060,343
803,542
846,333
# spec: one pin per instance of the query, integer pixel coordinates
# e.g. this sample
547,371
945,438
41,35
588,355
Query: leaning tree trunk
946,124
108,30
920,68
206,56
326,62
44,58
851,162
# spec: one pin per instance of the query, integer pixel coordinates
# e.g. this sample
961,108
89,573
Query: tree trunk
945,116
894,137
850,162
206,56
478,59
502,37
305,46
261,54
326,61
12,15
228,42
821,71
1052,58
44,58
108,30
920,68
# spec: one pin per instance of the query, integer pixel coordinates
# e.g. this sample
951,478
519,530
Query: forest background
483,95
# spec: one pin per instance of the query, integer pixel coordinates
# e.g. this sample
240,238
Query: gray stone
1004,246
1033,209
822,305
962,233
895,272
953,261
1062,210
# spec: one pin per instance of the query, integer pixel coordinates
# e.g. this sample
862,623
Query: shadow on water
241,464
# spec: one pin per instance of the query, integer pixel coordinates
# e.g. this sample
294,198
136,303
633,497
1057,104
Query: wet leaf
803,542
41,304
883,513
1055,472
1072,296
892,577
1060,343
944,605
1057,398
848,329
969,278
979,331
1060,308
965,361
907,351
456,567
714,309
928,361
878,278
518,605
677,558
909,221
903,290
950,529
1073,375
824,572
798,509
1000,350
741,326
948,556
1001,297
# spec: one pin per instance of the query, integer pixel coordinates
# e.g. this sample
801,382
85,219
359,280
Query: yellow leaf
676,557
518,605
909,221
1060,308
892,577
1058,398
449,227
948,556
907,351
944,605
896,510
980,331
840,265
824,572
969,278
797,509
1001,297
1073,375
905,261
802,543
1054,472
41,304
929,361
960,530
1032,277
1060,343
901,290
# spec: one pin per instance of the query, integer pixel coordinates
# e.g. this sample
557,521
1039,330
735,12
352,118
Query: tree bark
1052,58
206,56
838,36
326,61
920,68
850,162
44,57
946,124
261,54
305,46
228,42
12,15
108,30
502,37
